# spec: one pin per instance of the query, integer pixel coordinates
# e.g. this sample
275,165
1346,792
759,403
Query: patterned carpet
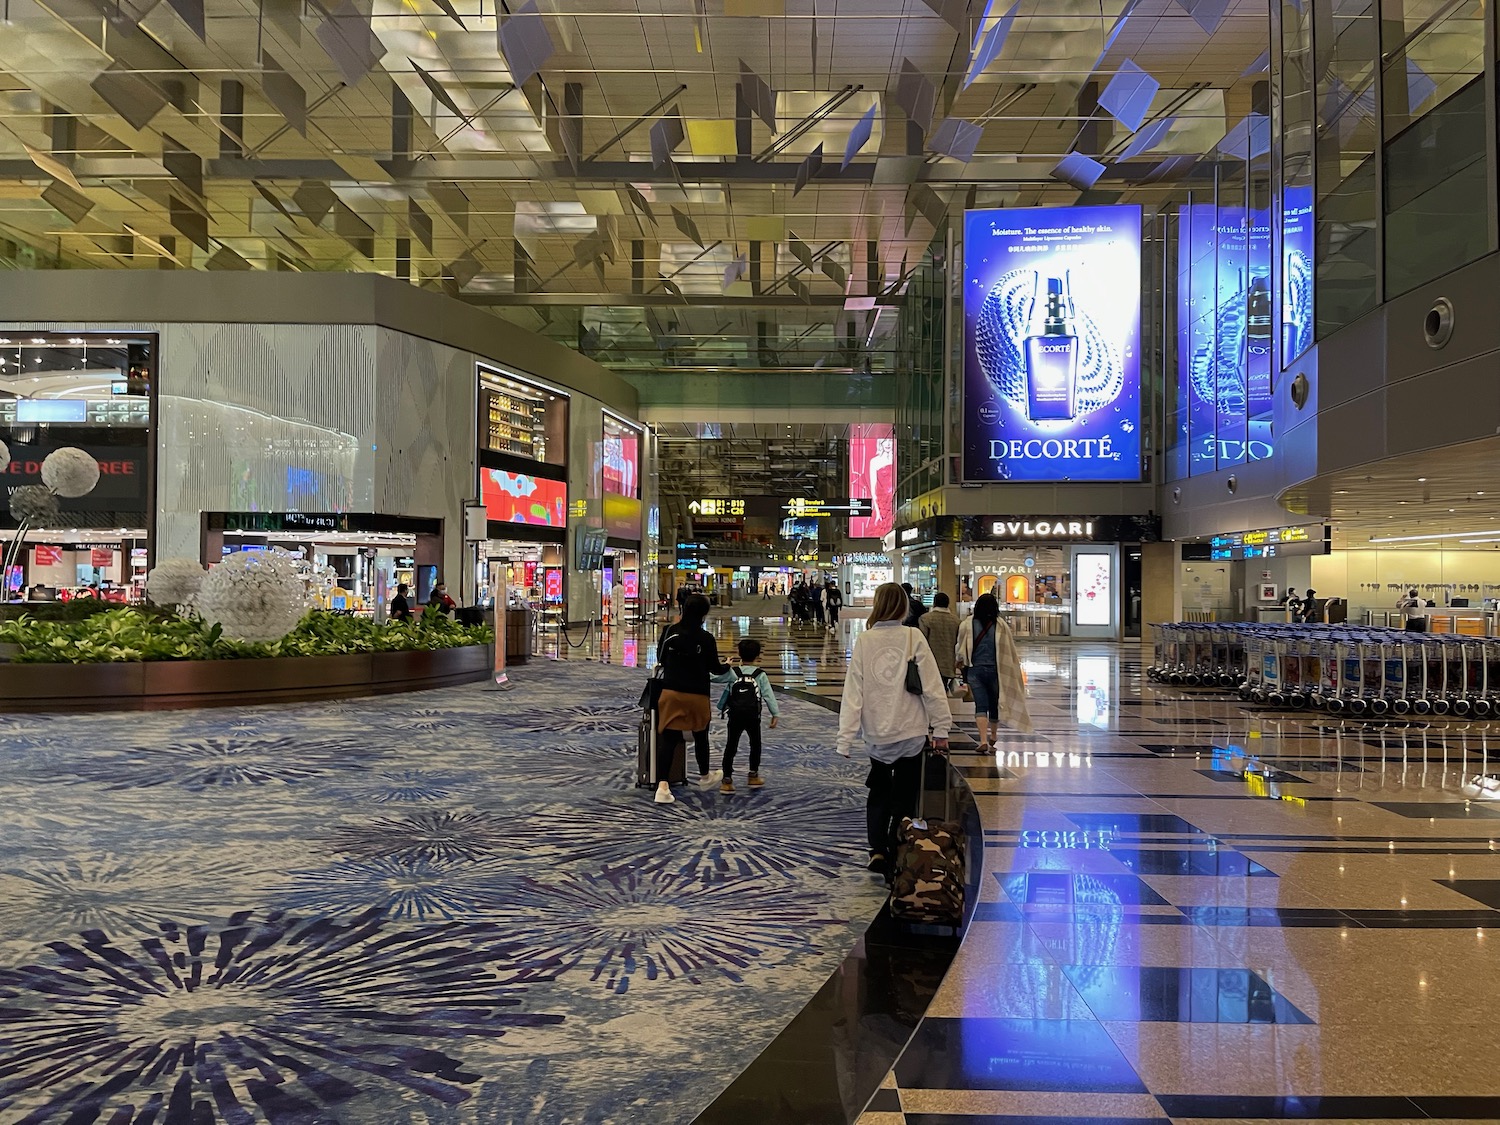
438,908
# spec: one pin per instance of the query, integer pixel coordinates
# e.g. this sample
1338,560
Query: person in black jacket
400,604
689,658
914,606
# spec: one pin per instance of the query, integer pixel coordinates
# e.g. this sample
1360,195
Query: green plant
127,634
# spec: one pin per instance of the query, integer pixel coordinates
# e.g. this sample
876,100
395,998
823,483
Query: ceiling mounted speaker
1300,389
1177,496
1233,484
1437,325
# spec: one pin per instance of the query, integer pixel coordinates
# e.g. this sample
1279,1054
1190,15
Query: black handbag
913,673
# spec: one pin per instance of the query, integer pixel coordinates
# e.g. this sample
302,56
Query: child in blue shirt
742,709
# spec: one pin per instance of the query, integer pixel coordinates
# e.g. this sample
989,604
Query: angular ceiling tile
132,96
284,92
60,197
525,43
712,136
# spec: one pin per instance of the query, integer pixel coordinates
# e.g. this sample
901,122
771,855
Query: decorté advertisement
1052,320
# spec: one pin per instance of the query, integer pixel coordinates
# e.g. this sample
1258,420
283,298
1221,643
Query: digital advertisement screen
518,498
1296,272
1093,589
620,460
1052,317
553,588
52,410
872,473
1226,322
632,583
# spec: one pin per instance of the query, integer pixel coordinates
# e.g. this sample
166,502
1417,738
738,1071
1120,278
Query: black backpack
834,597
744,698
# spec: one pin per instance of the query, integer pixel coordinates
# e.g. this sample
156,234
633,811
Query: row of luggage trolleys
1354,671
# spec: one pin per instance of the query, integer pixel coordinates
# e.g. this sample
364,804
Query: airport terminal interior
749,562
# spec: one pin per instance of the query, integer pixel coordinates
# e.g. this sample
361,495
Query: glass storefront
1034,585
93,392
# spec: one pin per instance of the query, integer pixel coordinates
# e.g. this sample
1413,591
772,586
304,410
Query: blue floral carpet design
444,908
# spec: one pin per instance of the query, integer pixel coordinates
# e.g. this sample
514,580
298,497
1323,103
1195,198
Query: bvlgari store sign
1051,530
1062,529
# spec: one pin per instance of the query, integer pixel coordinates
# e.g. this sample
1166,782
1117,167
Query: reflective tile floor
1196,912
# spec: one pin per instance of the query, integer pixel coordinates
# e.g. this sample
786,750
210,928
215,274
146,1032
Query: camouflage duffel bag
928,887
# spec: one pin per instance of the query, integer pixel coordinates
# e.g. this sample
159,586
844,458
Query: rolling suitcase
929,883
646,744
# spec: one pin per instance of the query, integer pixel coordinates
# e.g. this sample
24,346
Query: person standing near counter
1409,601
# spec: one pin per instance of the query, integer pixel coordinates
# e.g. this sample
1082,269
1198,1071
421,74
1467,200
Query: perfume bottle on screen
1051,351
1258,329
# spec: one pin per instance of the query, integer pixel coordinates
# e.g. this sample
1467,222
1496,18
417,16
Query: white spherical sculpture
34,503
253,596
70,472
175,581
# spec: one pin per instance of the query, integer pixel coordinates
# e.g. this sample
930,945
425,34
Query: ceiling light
1421,480
1443,535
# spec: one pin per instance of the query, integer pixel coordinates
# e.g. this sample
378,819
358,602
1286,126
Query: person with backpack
689,659
746,687
987,653
833,599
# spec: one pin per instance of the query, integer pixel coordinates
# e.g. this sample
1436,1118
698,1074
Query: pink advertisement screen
872,473
621,462
518,498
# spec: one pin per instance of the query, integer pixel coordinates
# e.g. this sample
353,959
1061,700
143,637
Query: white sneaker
664,797
710,779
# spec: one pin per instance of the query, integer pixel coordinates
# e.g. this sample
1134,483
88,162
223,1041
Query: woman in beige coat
987,648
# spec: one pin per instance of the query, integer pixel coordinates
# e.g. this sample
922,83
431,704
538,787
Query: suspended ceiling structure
609,174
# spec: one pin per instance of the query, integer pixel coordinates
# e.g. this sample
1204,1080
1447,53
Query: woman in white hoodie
893,722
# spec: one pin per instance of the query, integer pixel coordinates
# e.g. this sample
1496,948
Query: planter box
401,667
258,677
48,685
214,683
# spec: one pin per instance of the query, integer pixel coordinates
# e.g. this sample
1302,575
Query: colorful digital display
1093,589
1226,326
631,581
1052,318
554,583
620,460
518,498
872,473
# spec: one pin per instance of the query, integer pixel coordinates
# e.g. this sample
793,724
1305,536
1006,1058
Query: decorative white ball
253,595
4,456
34,503
70,471
175,581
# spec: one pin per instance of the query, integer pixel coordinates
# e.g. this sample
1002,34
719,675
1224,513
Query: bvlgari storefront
1062,576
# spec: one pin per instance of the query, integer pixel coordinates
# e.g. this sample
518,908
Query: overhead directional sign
853,506
717,506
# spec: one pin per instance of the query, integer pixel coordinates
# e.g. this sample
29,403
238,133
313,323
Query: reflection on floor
1197,912
433,909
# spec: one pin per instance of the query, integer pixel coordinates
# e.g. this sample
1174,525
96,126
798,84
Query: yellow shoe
756,781
726,786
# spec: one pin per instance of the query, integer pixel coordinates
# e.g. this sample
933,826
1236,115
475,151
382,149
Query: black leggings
894,792
667,743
